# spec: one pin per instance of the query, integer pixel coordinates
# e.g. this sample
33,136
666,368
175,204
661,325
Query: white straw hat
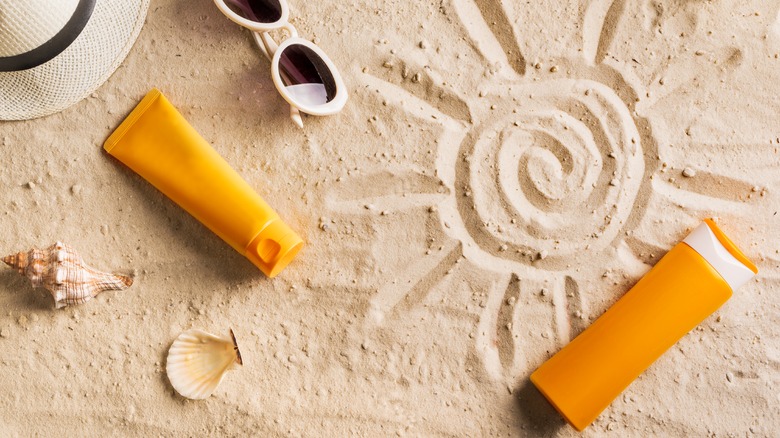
53,53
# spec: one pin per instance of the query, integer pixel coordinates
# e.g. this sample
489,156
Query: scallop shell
197,361
62,271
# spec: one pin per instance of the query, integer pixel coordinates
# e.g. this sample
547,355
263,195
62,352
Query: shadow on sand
536,412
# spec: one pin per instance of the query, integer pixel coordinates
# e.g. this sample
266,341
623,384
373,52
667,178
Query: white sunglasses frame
272,51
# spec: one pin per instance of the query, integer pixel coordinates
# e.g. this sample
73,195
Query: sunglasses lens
308,80
259,11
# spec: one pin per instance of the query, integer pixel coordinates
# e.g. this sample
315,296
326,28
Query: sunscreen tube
160,145
688,284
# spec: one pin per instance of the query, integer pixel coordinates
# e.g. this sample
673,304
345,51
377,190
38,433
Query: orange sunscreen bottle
688,284
157,142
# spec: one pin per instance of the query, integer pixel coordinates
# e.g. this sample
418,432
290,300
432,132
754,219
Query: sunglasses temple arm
295,116
268,46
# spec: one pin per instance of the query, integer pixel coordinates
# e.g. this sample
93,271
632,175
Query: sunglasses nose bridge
267,44
291,29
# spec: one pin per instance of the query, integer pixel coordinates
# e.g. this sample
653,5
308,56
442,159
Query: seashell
62,271
197,361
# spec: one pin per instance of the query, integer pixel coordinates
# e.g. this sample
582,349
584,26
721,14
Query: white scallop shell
197,361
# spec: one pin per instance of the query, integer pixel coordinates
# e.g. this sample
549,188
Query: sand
502,174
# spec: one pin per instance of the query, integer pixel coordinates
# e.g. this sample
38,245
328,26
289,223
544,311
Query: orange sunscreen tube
157,142
688,284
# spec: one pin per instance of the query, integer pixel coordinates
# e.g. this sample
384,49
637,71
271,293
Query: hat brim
80,69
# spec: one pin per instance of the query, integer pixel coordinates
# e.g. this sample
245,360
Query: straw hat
53,53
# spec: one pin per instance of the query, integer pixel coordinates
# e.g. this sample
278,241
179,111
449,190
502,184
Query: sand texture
503,172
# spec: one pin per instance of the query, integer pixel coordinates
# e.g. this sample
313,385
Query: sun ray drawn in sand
549,169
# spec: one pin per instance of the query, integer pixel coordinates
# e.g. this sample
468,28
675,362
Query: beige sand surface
503,172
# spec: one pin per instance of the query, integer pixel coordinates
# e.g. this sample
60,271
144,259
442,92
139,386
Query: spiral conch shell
62,271
197,361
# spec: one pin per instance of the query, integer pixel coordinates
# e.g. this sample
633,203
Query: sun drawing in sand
549,168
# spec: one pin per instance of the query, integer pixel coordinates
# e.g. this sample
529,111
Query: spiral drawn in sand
566,167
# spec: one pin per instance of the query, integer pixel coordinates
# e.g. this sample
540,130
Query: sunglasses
304,75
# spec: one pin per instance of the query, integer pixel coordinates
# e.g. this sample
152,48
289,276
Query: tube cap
274,248
712,244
